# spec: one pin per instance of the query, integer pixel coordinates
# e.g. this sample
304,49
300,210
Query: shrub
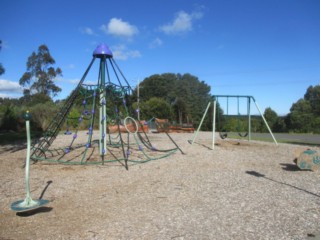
9,119
42,114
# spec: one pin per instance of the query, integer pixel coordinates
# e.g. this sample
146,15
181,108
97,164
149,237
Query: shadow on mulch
16,141
291,167
257,174
13,147
34,212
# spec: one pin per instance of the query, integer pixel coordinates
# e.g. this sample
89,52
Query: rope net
100,126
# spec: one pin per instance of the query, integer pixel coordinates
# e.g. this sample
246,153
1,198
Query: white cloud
182,23
91,82
122,53
3,95
13,95
119,28
156,43
11,87
87,30
73,81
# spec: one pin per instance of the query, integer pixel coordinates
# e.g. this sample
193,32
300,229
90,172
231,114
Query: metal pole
249,117
28,199
196,134
138,100
103,112
265,122
27,203
227,105
214,124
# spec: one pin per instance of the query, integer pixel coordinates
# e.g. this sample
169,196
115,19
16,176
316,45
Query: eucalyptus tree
40,74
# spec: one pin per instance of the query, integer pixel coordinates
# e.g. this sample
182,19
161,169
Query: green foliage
195,94
186,96
271,117
160,86
280,125
231,125
155,107
40,74
304,117
8,118
31,100
257,124
179,98
73,118
42,114
301,116
313,97
304,114
236,124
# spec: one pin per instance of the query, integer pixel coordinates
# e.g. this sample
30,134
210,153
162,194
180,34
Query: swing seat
243,135
223,135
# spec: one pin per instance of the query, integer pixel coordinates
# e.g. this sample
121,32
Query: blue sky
268,49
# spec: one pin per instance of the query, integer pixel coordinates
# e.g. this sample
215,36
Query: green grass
269,139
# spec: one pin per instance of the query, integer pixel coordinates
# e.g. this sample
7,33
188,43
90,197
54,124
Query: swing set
223,133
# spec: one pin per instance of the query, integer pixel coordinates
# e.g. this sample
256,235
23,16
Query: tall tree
313,97
304,115
301,116
156,107
40,74
270,116
160,86
195,94
185,94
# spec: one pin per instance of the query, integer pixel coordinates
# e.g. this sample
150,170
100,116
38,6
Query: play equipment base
309,160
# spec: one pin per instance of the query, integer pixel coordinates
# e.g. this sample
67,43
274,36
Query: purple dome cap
102,50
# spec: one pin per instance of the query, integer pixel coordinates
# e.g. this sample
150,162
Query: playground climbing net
112,134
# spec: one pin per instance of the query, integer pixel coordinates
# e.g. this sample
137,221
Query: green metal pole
205,113
265,122
27,203
214,123
88,144
249,118
28,200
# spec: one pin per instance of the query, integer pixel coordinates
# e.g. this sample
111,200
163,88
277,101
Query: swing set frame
214,104
248,98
